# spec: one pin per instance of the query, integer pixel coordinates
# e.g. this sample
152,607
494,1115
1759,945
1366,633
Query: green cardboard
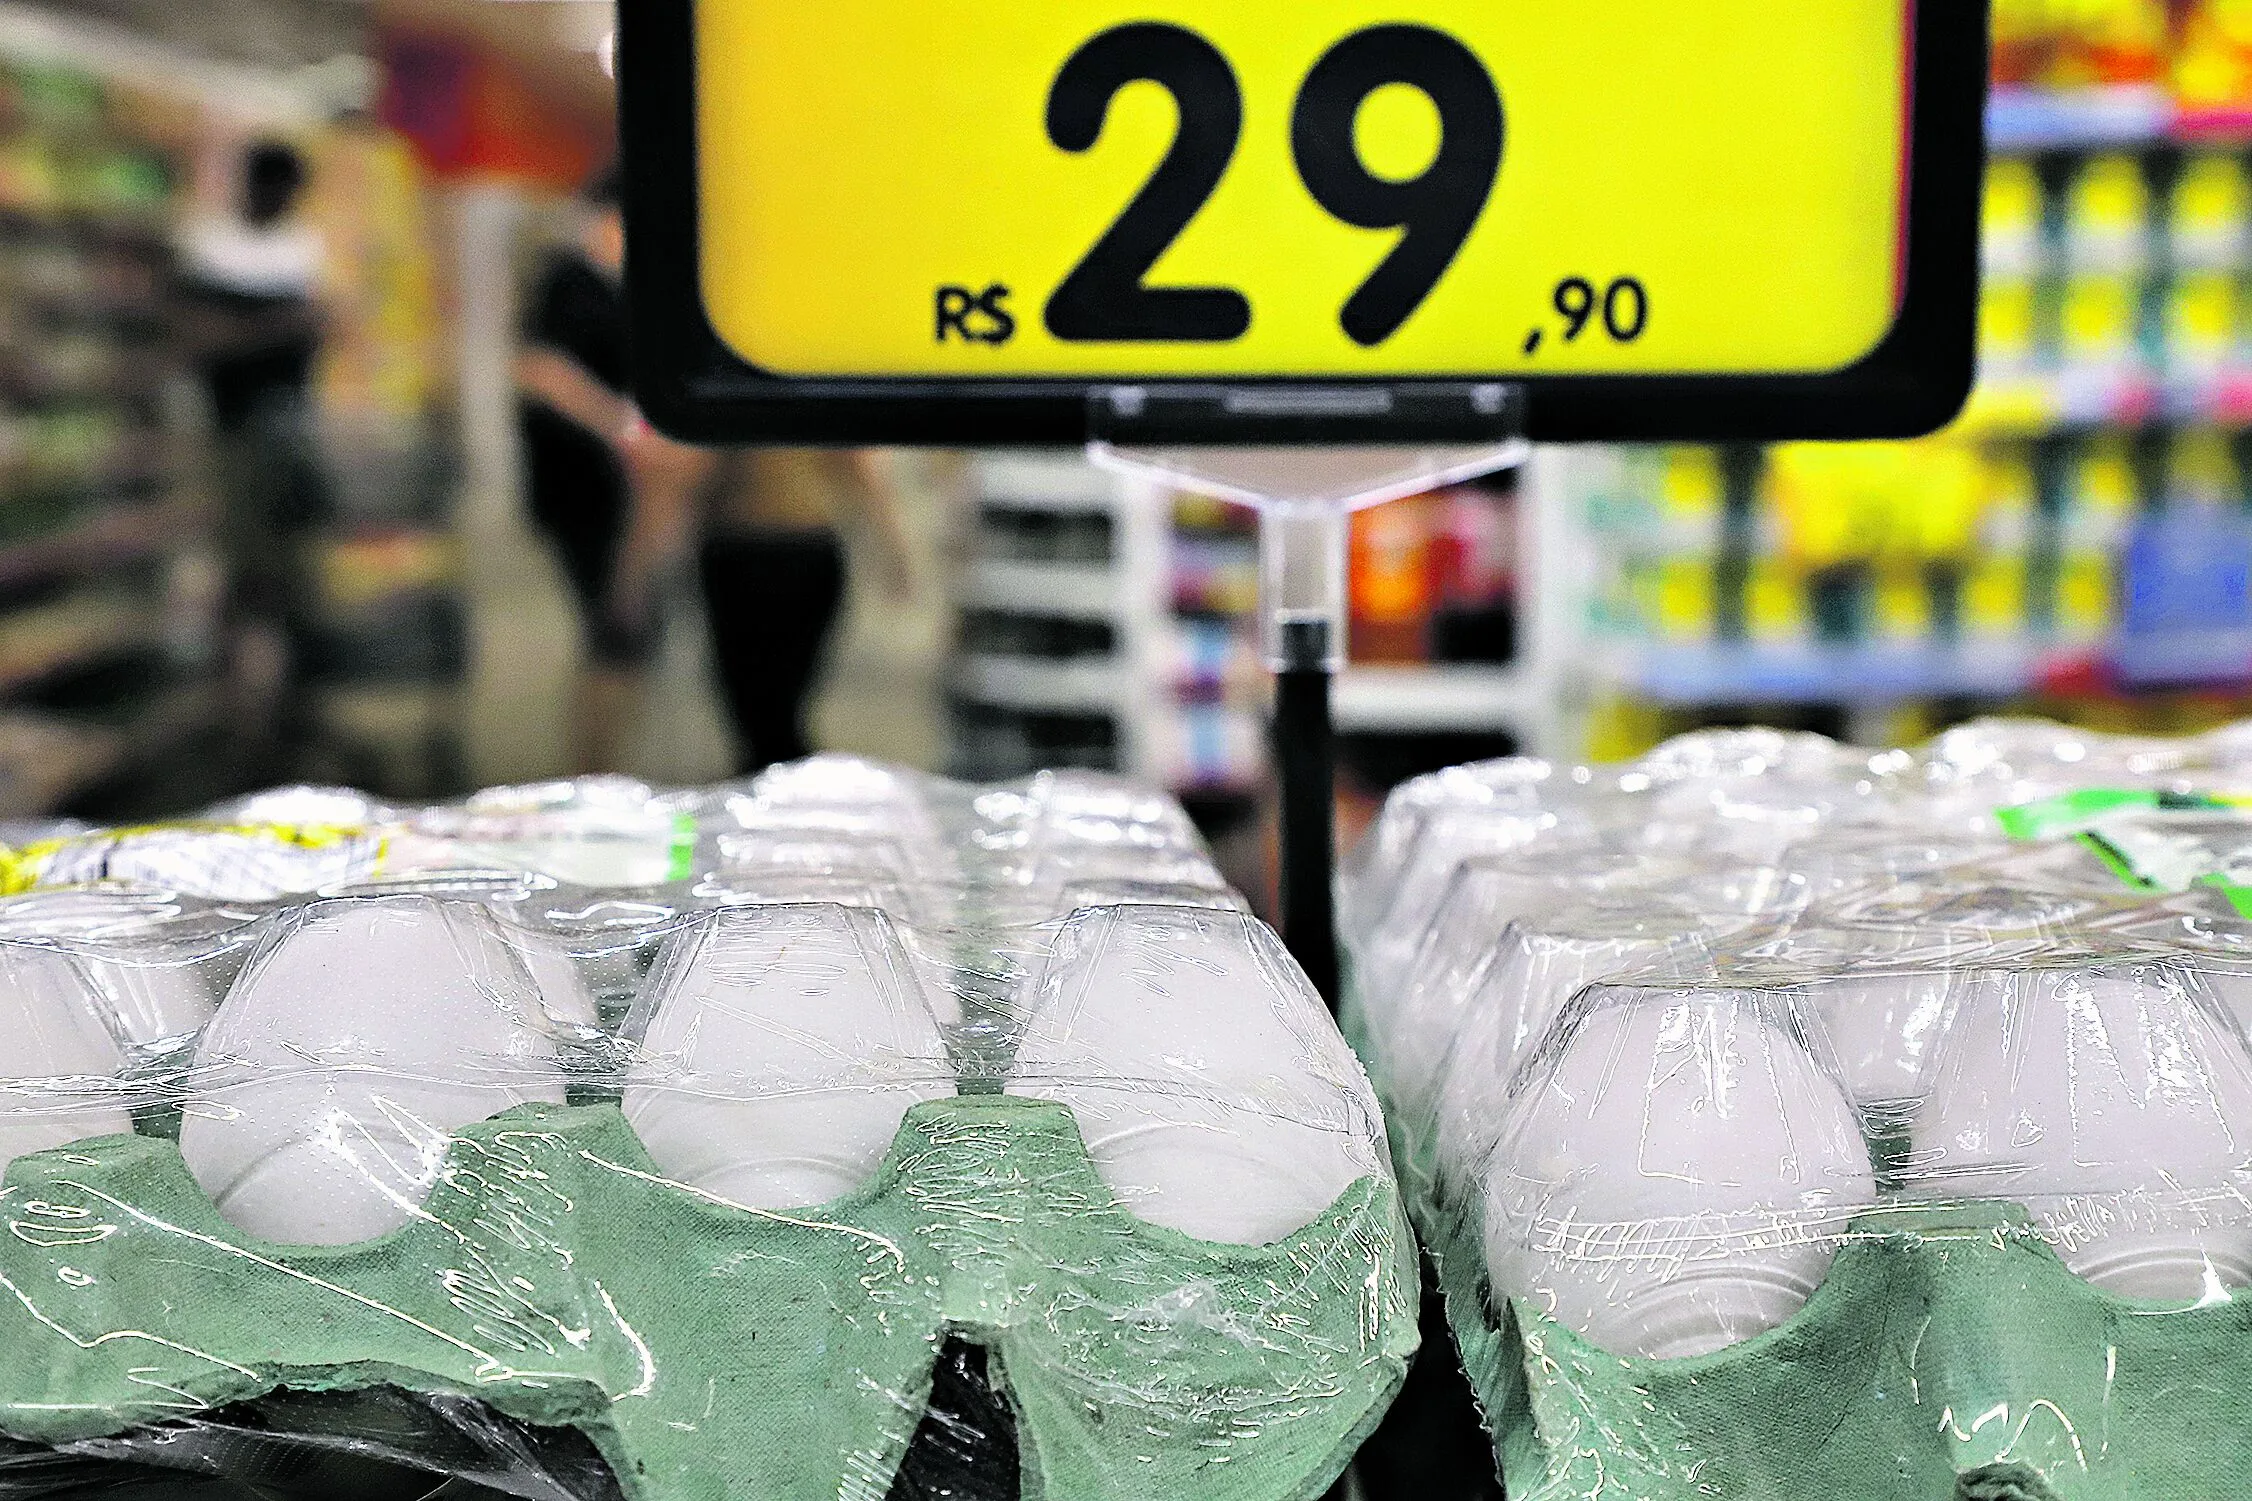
1948,1356
1949,1353
714,1352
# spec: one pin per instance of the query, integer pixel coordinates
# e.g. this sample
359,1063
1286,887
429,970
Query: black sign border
691,385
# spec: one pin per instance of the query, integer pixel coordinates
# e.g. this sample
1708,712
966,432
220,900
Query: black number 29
1106,298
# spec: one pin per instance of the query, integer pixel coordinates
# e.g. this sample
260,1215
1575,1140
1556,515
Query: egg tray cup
710,1351
1947,1356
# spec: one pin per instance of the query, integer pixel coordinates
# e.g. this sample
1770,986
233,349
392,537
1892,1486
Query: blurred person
253,319
581,440
772,564
250,323
763,524
625,507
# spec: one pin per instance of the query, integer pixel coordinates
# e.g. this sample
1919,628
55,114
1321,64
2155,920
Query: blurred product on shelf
1212,749
219,368
382,351
2082,533
2212,73
2114,290
109,631
2111,69
1433,578
2061,48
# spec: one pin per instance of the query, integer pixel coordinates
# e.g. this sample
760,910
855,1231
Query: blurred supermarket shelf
107,539
1039,685
2029,406
1687,675
2020,121
182,60
2220,657
1072,591
44,641
2026,120
1432,699
1062,483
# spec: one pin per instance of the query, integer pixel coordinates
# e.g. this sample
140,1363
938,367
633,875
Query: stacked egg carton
1793,1118
663,1138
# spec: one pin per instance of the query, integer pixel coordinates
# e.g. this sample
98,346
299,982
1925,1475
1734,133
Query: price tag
950,219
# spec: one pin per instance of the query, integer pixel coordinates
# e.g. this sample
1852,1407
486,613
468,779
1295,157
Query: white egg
781,1047
2115,1103
1543,960
1677,1178
1214,1095
363,1034
52,1044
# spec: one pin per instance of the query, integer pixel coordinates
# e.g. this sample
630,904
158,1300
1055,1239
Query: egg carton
685,1179
1905,1156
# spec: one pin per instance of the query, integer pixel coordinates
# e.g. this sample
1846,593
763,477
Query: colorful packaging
2107,221
2209,213
1394,580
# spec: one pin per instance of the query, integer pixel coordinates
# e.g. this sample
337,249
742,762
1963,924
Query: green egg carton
1947,1356
709,1351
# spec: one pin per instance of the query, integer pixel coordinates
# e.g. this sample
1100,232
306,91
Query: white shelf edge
1435,699
1045,484
1040,686
1072,591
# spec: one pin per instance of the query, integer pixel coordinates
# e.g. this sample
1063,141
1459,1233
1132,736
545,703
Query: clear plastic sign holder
1179,437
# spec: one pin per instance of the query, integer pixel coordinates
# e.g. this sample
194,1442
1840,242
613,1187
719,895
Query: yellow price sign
929,218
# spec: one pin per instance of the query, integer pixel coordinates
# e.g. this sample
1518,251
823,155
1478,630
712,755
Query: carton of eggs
1213,1095
780,1047
1675,1171
581,1097
360,1036
1661,1081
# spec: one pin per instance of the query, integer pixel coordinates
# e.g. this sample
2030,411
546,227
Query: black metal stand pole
1306,753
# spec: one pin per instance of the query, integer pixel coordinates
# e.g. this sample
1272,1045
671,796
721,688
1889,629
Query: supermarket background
2079,545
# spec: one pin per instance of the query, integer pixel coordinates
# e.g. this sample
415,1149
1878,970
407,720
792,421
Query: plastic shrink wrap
1790,1120
587,1140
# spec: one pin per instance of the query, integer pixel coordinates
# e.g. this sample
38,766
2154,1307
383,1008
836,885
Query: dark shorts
772,600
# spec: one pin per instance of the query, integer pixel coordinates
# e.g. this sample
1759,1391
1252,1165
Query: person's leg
577,506
731,627
800,631
773,603
607,702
